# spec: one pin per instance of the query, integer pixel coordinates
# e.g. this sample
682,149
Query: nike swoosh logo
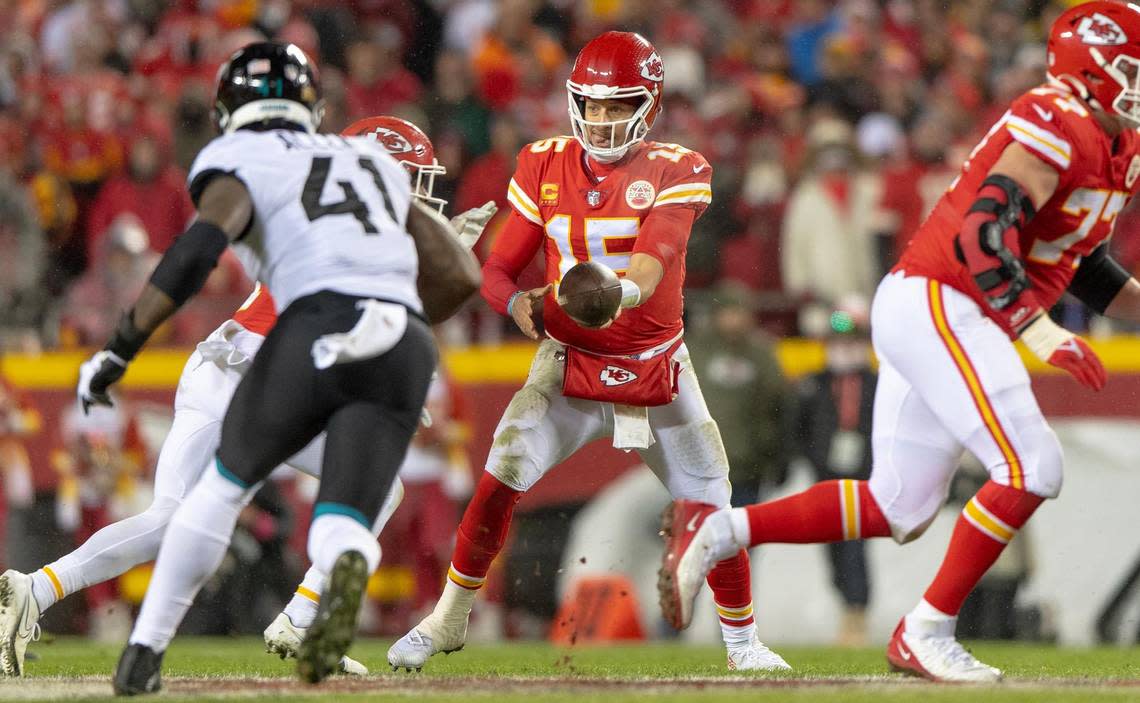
698,168
1046,115
692,526
1072,347
904,652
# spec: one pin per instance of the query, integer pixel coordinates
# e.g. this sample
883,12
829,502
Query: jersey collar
597,171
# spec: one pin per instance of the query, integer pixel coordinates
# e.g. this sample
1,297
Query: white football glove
469,225
96,376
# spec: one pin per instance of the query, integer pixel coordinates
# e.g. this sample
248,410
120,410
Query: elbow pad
188,262
988,243
1098,279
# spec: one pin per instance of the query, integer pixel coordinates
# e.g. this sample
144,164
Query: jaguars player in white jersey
356,269
207,383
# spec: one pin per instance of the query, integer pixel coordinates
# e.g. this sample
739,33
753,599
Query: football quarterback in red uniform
1026,220
606,195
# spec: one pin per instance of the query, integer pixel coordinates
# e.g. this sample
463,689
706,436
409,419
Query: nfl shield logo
593,198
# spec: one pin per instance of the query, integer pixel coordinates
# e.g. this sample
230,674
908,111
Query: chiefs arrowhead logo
653,68
1098,30
616,376
395,143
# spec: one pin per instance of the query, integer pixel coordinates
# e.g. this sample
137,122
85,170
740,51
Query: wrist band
1043,336
630,293
511,301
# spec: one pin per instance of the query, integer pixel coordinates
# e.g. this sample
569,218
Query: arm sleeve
1098,279
664,234
514,248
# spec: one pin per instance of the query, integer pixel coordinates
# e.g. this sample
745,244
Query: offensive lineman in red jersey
604,195
207,383
1026,220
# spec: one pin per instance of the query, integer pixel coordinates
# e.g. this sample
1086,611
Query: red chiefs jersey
257,314
606,213
1098,176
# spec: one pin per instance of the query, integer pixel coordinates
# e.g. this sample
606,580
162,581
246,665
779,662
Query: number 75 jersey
329,213
1097,176
646,203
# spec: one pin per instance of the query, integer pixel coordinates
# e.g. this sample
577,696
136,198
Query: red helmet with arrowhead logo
1094,48
616,66
409,145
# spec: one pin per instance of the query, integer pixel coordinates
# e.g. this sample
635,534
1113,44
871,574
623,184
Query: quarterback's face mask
614,67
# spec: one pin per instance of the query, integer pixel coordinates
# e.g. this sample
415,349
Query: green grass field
225,669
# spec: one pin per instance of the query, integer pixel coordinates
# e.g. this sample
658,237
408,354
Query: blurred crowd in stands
832,127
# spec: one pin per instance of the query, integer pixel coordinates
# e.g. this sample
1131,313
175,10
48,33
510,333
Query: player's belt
640,356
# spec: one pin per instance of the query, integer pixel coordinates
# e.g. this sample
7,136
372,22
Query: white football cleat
19,621
443,630
937,656
428,638
284,639
756,657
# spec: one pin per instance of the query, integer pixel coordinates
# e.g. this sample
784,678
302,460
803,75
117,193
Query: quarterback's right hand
524,304
95,376
1061,348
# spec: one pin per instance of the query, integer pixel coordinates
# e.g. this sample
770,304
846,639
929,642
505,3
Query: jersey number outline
672,152
1097,205
600,237
352,204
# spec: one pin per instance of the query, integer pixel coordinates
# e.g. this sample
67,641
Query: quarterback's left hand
95,376
469,225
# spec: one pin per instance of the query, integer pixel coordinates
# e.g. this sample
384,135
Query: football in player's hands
590,293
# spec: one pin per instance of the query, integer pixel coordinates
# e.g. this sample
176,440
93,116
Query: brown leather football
590,293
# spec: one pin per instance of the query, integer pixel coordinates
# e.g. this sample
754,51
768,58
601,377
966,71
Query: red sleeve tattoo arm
513,250
665,234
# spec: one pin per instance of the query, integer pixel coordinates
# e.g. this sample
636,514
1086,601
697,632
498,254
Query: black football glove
96,375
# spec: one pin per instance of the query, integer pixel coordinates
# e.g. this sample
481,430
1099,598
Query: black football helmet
267,85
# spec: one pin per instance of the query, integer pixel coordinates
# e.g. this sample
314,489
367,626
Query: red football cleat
937,656
686,560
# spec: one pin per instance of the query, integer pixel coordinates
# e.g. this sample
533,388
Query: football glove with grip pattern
1059,347
469,225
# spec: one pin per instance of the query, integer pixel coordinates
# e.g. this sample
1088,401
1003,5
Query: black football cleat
334,626
139,671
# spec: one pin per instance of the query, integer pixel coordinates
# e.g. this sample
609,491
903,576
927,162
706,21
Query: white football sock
722,535
195,544
741,528
927,621
302,608
737,636
332,534
108,553
454,605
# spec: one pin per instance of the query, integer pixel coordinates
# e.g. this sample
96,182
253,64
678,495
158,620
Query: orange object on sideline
599,609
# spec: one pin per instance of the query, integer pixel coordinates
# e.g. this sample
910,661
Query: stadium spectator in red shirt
377,82
152,189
